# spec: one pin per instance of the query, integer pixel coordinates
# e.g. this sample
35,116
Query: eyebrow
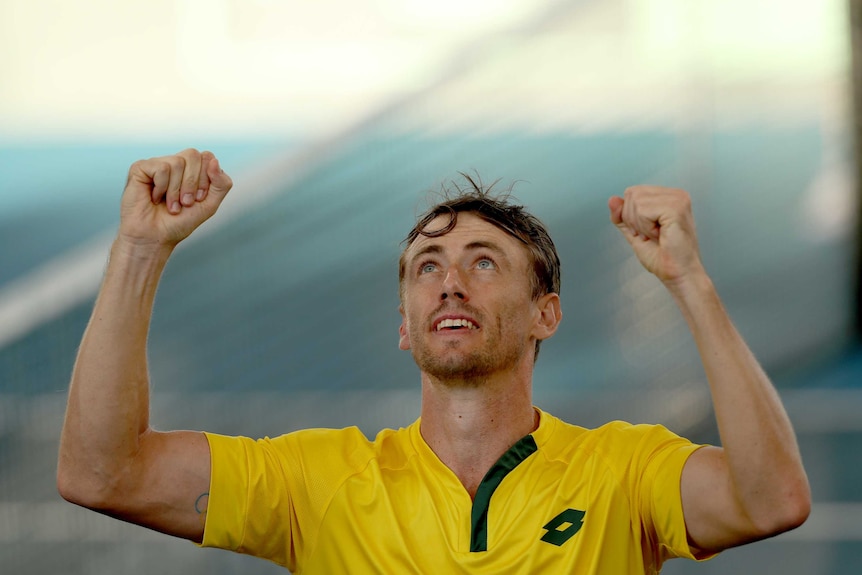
490,246
472,246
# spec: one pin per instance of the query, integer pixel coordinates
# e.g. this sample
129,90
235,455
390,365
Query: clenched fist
166,198
659,225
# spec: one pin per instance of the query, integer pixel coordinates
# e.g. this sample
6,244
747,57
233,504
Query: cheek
409,320
418,298
406,327
518,314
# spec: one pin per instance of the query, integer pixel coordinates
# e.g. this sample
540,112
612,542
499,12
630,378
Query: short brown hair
496,209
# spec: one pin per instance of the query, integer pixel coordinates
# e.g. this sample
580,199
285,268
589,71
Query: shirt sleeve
268,497
660,458
250,508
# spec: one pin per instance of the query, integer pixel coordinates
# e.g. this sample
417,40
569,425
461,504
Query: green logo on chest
563,527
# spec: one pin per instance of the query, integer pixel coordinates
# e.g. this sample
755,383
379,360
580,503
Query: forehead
469,229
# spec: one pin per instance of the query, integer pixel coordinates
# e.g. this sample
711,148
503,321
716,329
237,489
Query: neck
469,427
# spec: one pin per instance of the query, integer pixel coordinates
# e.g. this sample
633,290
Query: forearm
760,448
108,407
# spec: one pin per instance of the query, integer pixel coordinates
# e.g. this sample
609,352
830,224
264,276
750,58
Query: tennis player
483,481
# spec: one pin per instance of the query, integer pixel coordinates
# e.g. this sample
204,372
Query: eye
485,264
427,267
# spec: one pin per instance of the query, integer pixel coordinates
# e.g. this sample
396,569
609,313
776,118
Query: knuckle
177,162
162,167
190,152
136,167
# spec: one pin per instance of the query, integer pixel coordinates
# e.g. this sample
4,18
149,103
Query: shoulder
291,451
315,440
348,446
618,443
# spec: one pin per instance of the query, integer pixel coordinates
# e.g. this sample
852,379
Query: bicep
714,517
167,485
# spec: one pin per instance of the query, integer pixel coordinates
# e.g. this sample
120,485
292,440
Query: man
483,482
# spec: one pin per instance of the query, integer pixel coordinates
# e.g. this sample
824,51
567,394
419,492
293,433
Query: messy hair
496,209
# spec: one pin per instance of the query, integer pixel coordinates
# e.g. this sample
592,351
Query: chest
539,516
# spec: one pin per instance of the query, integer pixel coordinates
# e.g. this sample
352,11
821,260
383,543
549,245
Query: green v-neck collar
513,457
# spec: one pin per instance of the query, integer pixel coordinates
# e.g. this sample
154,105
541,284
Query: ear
550,315
404,336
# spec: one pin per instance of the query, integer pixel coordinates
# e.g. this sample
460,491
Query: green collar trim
525,447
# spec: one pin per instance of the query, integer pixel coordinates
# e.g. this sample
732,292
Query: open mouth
455,324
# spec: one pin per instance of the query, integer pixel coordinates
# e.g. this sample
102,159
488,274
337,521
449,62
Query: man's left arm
754,486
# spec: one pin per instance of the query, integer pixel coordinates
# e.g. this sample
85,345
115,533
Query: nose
453,285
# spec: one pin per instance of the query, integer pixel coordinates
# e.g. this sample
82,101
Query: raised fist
659,225
166,198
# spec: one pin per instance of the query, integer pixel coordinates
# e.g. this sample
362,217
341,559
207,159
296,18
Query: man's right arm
110,459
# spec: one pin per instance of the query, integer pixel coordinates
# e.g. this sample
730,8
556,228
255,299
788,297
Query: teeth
455,323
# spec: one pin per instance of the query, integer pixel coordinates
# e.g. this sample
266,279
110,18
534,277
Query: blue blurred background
337,120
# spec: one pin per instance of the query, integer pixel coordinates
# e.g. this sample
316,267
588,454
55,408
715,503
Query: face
467,308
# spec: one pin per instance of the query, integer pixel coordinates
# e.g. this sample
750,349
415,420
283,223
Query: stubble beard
468,368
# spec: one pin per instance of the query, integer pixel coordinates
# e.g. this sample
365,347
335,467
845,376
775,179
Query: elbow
84,489
790,512
67,486
797,506
97,480
74,482
797,511
67,489
74,489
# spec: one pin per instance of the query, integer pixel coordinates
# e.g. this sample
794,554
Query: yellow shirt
562,500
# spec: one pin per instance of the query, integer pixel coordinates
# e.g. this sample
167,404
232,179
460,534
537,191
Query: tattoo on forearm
201,504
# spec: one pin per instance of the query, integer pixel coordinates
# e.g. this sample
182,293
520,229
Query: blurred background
338,121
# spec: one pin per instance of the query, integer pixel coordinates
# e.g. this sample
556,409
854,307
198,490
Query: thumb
220,182
615,205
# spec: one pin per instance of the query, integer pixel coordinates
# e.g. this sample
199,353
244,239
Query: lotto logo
563,527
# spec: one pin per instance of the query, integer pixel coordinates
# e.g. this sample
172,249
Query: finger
148,176
191,175
615,205
220,182
652,230
640,215
203,178
645,221
172,196
629,212
161,176
649,210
